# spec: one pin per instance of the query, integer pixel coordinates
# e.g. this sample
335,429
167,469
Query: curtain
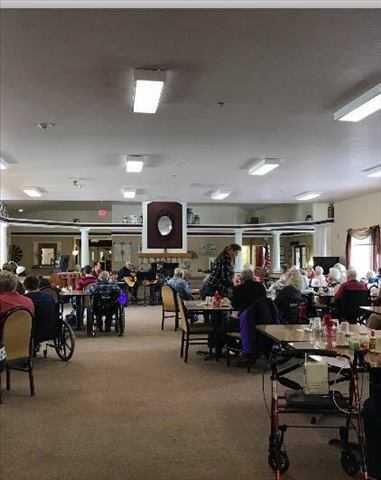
348,248
361,234
376,246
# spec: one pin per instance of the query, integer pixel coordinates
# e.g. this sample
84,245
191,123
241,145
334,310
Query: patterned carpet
129,408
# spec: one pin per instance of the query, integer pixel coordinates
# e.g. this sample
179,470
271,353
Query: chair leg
186,348
1,395
162,319
227,357
31,380
176,321
8,378
182,345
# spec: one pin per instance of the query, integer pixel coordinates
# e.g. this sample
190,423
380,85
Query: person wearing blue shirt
180,285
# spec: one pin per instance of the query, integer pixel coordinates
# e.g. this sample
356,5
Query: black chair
348,306
105,305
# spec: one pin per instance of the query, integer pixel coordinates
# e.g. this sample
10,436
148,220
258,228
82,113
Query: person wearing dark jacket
290,295
222,273
46,310
247,292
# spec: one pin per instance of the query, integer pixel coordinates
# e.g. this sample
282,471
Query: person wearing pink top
9,297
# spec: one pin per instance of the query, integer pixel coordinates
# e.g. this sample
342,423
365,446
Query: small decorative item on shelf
331,210
308,218
196,220
190,216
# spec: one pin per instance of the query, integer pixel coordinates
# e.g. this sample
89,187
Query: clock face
164,225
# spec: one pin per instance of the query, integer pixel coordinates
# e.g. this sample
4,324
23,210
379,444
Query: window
361,255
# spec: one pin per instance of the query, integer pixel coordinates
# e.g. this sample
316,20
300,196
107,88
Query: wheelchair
105,306
56,334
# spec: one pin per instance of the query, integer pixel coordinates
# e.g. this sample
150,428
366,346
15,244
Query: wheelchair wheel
65,342
279,461
350,463
121,322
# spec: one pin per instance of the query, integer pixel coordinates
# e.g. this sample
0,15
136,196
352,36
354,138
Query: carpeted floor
129,408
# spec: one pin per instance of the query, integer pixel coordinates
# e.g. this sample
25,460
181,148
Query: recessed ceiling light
134,166
20,210
373,172
219,195
45,125
307,196
129,193
33,192
3,164
262,167
148,87
361,107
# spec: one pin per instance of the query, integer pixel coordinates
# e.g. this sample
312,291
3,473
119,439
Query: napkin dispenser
316,378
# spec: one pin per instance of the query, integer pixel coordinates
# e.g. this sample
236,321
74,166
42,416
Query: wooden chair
192,334
170,308
17,339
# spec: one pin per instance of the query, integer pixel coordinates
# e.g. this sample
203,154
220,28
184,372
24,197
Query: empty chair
170,308
191,333
374,322
17,339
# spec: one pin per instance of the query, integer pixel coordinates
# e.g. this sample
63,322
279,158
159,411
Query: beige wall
357,212
26,245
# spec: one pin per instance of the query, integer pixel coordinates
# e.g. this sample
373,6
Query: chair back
103,303
350,304
17,331
374,322
168,296
183,314
51,292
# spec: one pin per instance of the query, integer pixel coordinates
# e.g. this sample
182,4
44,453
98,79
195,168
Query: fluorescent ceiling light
262,167
148,87
219,195
307,196
33,192
373,172
361,107
3,164
129,193
134,166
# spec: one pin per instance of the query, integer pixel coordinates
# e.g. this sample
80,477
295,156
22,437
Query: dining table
217,315
77,299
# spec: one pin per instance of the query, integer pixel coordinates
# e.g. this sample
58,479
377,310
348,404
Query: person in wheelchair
105,300
46,311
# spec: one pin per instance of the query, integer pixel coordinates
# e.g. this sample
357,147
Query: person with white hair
180,285
248,291
319,279
334,278
351,285
342,270
105,288
290,294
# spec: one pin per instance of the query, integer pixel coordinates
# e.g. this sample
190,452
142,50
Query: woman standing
222,273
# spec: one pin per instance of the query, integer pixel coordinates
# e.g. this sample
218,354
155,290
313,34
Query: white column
85,250
322,240
275,252
238,235
3,243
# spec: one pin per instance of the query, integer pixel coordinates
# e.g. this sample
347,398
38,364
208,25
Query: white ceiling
280,73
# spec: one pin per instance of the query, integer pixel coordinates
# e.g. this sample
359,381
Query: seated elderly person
46,310
180,285
87,279
9,297
319,279
351,285
106,289
290,295
247,292
12,267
